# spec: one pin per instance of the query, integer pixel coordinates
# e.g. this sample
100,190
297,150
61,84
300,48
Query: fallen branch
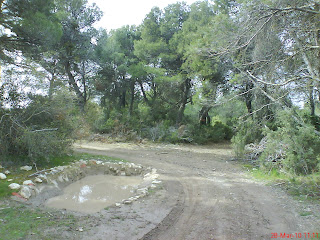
45,130
37,173
278,184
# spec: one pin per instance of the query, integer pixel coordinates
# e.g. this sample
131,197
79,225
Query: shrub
37,131
44,144
248,131
299,142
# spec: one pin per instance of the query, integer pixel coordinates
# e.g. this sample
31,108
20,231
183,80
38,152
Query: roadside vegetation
305,187
21,222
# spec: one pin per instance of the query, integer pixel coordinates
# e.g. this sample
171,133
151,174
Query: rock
60,178
18,197
93,162
127,202
14,186
80,229
10,180
7,172
25,192
38,180
83,165
54,183
123,174
26,168
28,182
2,176
118,204
142,191
151,176
156,181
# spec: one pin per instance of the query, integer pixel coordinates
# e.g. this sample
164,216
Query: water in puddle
93,193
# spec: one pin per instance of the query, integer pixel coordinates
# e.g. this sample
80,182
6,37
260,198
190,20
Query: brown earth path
209,196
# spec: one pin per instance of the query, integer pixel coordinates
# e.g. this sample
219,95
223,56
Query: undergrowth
301,187
20,222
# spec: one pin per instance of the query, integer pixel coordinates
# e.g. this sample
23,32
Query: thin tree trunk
51,87
132,98
184,100
144,94
204,118
249,97
75,87
311,101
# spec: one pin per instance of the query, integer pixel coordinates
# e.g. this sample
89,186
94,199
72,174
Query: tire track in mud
213,197
170,220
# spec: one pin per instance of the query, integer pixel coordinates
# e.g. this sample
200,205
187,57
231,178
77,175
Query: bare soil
204,195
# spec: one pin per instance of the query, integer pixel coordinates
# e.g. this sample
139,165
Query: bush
37,131
248,132
300,144
44,144
216,132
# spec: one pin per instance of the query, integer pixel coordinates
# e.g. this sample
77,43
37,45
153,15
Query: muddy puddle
93,193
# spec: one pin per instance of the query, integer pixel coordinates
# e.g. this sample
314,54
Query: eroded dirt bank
205,195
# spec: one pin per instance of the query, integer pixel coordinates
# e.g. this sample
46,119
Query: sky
118,13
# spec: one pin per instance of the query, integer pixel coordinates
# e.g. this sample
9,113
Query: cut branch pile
253,152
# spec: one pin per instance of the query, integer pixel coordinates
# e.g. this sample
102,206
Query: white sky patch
118,13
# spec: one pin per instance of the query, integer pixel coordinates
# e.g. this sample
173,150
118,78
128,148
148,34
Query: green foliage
5,191
216,132
43,145
38,131
19,222
305,187
299,143
248,131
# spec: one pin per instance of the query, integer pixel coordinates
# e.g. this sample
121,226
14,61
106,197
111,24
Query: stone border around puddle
61,176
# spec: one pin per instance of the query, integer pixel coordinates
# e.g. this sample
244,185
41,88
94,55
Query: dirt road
205,195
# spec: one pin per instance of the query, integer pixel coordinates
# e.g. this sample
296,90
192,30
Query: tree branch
272,84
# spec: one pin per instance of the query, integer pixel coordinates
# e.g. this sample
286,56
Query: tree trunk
249,97
131,97
204,118
184,100
144,94
311,101
51,87
75,87
122,99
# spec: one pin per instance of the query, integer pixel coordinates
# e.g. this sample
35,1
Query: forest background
214,71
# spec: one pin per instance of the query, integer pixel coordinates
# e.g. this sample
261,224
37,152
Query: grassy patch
5,191
304,214
302,187
18,222
87,156
14,162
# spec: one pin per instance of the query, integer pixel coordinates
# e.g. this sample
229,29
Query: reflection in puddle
93,193
81,197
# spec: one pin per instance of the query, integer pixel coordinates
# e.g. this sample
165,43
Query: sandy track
209,196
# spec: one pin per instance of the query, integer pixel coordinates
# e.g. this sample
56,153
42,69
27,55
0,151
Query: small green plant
5,191
304,187
19,222
304,214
